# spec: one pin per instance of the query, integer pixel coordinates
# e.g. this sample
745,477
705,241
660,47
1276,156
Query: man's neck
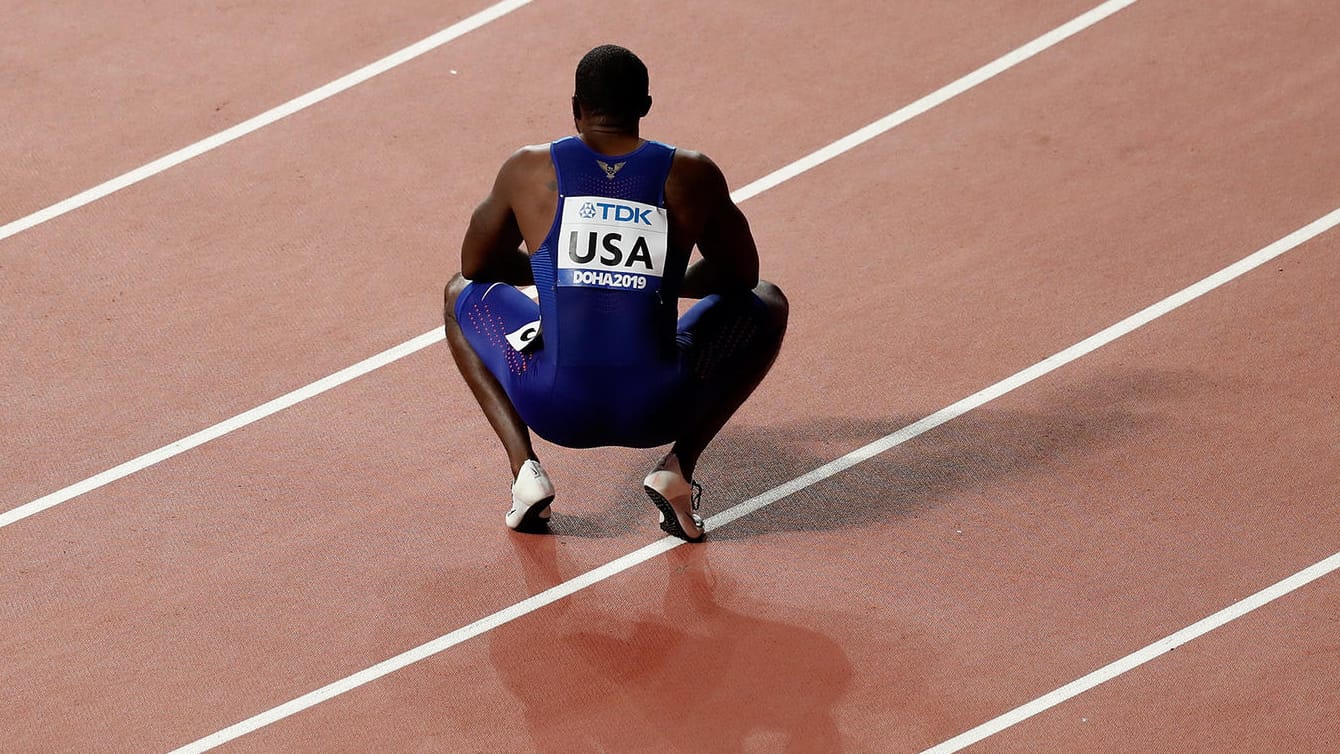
611,140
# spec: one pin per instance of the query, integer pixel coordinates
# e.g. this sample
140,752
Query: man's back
697,202
607,276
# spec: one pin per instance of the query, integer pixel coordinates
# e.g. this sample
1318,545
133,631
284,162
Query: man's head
611,88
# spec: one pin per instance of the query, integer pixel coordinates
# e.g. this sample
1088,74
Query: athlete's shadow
1061,424
700,671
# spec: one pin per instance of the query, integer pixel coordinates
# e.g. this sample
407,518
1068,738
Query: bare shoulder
530,154
695,181
528,187
696,168
525,163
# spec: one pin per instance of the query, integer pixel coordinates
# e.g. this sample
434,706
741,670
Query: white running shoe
677,498
531,495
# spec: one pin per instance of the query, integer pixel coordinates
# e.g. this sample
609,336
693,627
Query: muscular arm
491,249
729,255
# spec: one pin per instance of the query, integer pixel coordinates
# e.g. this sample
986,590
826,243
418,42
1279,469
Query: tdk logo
616,212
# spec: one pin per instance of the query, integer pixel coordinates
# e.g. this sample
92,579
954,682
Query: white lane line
1025,376
771,180
936,98
222,428
148,170
595,576
1139,657
424,651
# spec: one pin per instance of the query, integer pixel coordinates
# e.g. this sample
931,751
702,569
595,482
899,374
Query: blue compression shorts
638,406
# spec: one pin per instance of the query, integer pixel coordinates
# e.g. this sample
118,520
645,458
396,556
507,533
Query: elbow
747,276
474,266
751,279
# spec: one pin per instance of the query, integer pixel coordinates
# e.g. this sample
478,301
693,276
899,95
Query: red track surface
888,608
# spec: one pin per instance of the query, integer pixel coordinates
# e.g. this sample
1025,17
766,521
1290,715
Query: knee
453,291
779,308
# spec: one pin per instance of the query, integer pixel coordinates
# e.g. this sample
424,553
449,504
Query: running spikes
677,498
531,495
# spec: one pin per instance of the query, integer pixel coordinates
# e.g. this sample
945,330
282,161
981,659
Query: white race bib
611,243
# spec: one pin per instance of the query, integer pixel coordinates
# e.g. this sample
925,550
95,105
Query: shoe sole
530,520
669,518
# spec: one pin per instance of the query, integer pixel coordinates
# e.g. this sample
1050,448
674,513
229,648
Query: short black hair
612,82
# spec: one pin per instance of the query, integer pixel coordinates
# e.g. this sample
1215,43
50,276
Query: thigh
721,334
502,326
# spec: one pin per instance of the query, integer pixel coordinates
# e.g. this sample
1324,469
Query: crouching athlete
610,220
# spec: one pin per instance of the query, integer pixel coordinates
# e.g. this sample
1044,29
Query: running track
965,571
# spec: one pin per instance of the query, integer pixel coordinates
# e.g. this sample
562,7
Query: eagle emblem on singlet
610,170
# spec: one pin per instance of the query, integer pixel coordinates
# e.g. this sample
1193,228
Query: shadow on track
1062,423
980,449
